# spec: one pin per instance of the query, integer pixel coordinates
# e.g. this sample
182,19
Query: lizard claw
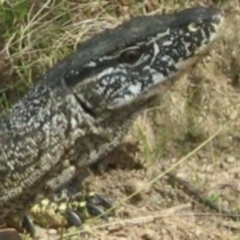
101,200
73,218
96,205
95,210
28,225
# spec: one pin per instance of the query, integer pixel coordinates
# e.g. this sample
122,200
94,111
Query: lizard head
135,62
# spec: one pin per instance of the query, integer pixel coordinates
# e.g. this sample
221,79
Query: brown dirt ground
200,103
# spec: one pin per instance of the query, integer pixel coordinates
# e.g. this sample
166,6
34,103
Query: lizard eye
130,56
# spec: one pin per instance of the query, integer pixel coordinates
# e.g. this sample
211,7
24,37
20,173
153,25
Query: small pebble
133,185
230,159
149,234
9,234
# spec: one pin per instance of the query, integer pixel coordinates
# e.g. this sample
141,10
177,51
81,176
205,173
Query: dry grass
36,34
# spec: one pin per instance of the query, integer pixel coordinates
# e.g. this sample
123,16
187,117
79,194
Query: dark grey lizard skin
82,107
